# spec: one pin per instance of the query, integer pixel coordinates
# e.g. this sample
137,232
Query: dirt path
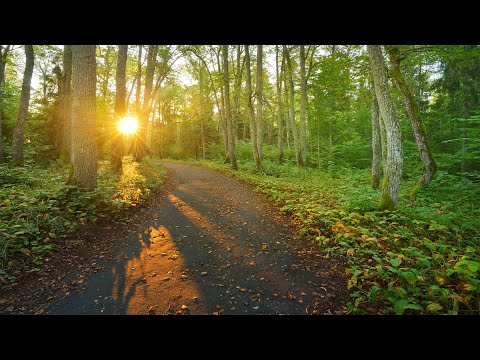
209,245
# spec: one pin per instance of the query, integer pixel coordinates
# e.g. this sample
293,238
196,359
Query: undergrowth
36,207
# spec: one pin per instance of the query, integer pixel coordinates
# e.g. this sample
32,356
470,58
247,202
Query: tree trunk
19,131
141,136
293,124
429,166
259,93
202,116
279,105
230,125
65,103
139,80
303,106
287,108
394,166
236,98
251,115
3,61
84,126
119,109
376,147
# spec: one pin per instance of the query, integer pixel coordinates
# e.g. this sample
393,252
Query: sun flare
128,125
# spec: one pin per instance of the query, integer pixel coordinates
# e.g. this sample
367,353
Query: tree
3,62
119,110
291,117
259,96
251,115
228,115
394,161
65,103
84,147
18,135
376,144
303,106
279,73
420,134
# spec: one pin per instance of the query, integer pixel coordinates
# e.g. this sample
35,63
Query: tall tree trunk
139,80
119,109
293,124
394,166
19,131
202,110
3,61
84,124
279,105
303,106
65,103
287,107
141,136
376,146
429,166
223,115
228,116
259,93
236,97
251,115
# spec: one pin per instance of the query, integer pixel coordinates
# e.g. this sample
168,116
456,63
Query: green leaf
401,305
395,262
377,259
434,307
410,277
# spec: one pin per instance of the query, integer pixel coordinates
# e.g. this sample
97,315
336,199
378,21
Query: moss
375,182
386,203
414,192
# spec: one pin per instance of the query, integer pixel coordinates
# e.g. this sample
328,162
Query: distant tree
376,144
84,146
259,96
64,106
394,163
119,110
303,106
19,132
279,72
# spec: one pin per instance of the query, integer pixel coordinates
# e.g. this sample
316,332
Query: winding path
210,245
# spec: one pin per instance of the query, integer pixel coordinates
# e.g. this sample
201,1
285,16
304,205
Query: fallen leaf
255,307
174,257
163,254
218,306
184,307
262,279
204,273
232,308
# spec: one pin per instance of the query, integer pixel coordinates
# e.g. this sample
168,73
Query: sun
128,125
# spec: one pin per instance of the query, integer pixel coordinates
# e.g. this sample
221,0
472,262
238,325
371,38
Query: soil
205,243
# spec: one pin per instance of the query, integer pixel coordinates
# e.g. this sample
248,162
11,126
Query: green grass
36,207
422,258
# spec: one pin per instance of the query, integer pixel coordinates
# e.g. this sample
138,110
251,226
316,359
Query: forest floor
206,243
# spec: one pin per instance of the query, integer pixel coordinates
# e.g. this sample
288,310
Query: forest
371,151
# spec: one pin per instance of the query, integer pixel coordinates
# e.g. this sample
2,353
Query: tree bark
279,104
65,102
394,165
202,110
287,110
376,146
19,131
293,124
3,61
303,106
236,97
251,115
84,126
419,132
119,109
139,80
228,116
259,93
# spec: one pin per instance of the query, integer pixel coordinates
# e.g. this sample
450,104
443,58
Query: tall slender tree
394,163
376,145
138,93
3,62
65,103
228,115
419,131
259,96
251,115
119,110
303,106
278,71
19,131
84,145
